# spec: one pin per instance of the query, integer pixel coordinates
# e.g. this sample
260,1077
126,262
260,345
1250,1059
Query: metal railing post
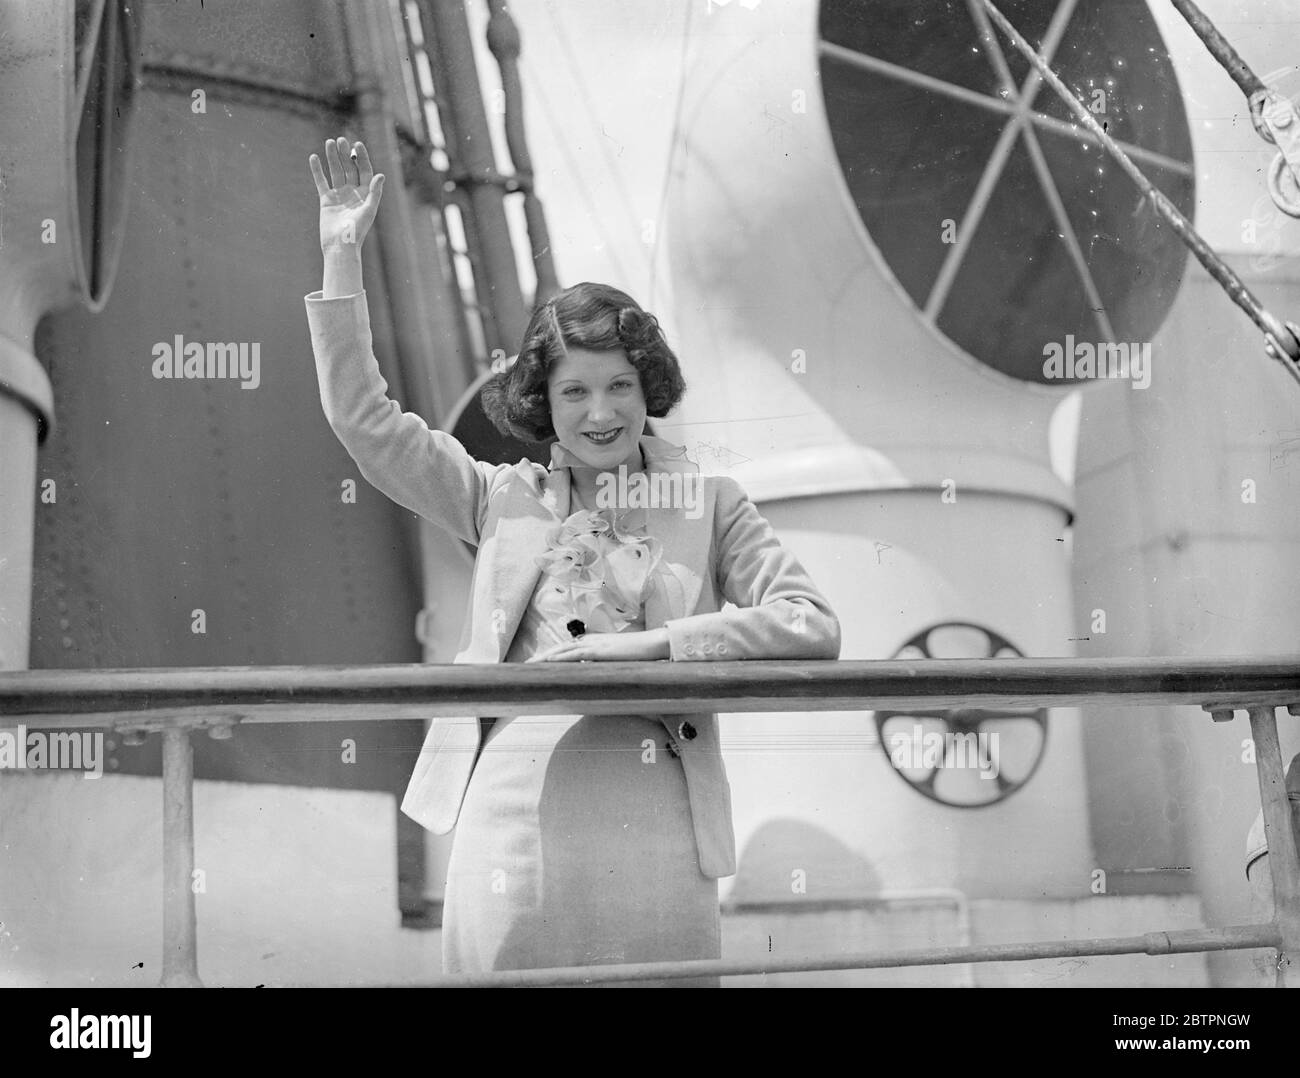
180,942
1283,858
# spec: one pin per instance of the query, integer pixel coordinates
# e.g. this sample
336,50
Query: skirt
575,847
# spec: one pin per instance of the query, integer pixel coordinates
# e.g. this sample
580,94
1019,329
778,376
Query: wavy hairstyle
598,317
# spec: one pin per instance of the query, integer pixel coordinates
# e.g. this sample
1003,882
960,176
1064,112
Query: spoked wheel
963,757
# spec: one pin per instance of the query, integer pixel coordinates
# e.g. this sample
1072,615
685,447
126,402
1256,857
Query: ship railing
180,702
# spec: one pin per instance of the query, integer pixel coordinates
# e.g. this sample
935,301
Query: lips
605,438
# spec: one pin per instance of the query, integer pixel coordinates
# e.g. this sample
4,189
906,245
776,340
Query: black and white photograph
651,494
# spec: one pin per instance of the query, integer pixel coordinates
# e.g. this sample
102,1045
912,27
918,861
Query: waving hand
349,198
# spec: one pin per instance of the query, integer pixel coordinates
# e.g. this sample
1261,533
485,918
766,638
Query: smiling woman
579,839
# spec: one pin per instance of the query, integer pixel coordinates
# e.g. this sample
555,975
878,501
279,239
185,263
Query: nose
600,409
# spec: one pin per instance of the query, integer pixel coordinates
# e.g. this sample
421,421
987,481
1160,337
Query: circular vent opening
998,214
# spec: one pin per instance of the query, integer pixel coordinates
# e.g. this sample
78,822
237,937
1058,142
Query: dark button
686,732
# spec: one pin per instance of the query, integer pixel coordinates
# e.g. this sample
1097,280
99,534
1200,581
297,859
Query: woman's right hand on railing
349,198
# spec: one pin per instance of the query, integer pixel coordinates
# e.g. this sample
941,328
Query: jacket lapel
686,544
534,510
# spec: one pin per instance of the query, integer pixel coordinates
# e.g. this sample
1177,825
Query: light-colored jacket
722,551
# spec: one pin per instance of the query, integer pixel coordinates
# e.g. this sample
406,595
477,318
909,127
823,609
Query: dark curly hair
594,316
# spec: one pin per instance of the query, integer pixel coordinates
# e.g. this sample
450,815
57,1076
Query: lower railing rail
178,701
1239,937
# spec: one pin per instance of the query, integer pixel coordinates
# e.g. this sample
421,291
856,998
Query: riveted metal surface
198,522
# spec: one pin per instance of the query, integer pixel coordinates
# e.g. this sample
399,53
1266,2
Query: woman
578,840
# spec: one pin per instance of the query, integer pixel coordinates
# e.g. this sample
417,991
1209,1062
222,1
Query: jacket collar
660,455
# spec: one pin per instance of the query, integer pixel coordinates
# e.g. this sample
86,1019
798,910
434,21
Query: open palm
349,198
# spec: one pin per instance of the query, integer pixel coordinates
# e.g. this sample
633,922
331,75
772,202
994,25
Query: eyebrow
582,382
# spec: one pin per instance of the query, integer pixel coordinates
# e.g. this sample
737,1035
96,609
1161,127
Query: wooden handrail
169,696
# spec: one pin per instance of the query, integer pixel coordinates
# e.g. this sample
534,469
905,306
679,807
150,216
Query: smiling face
597,407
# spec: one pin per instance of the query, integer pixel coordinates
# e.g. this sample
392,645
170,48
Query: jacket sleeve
425,470
780,613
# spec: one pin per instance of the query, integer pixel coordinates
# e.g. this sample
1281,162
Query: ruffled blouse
597,570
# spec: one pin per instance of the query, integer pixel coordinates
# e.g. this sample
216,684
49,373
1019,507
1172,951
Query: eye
573,392
624,384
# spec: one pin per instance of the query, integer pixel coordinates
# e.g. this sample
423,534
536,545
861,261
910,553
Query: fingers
549,653
364,171
318,174
348,161
349,166
335,166
572,653
561,653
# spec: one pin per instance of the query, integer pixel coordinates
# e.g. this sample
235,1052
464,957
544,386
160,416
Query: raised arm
780,613
426,471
